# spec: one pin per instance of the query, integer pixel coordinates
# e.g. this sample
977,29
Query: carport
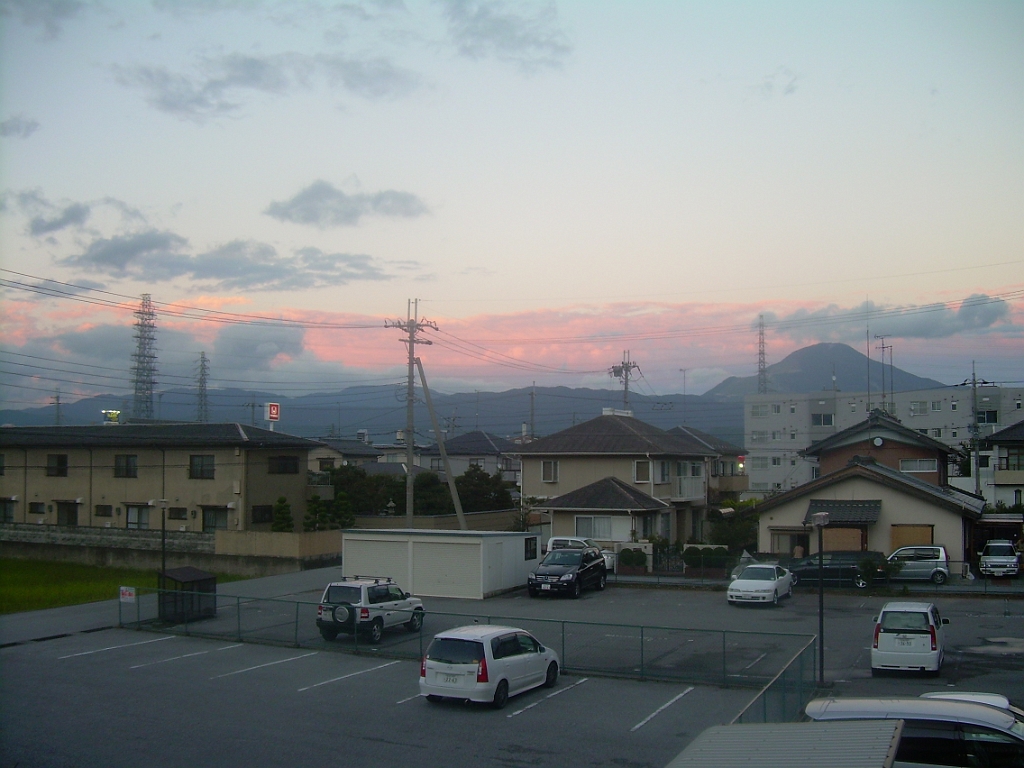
468,564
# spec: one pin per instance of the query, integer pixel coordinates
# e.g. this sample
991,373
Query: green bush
639,557
693,556
632,557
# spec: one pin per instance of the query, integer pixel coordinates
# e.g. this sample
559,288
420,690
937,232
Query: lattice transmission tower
144,359
202,403
762,366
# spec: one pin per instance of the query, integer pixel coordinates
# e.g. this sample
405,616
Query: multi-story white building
779,426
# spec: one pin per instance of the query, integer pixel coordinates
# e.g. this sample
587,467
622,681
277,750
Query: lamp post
820,520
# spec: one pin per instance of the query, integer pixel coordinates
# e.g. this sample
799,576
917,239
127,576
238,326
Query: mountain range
380,410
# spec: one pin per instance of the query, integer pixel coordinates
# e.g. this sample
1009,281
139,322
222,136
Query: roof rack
374,579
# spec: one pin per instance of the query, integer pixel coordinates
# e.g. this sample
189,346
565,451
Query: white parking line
115,647
229,647
164,661
659,710
350,674
755,661
549,696
408,699
268,664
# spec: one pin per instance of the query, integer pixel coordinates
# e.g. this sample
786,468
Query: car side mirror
875,619
733,577
945,621
408,595
541,649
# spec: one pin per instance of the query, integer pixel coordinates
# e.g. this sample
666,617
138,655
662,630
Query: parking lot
120,697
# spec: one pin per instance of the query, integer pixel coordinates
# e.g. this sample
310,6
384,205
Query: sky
557,183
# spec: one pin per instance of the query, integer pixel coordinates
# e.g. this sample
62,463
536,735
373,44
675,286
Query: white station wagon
485,663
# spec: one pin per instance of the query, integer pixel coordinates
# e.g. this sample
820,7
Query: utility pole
412,325
975,432
884,347
622,372
533,399
456,501
684,370
202,403
56,402
252,405
762,366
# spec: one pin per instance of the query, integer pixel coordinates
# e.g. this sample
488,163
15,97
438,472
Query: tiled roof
1011,434
151,436
845,511
616,435
390,468
474,444
877,421
351,447
609,494
716,444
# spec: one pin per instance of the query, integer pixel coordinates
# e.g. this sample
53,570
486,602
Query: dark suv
568,571
840,569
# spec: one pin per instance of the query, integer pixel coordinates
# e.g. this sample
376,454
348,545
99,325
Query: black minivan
840,569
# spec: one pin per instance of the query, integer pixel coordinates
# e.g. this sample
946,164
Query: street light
820,520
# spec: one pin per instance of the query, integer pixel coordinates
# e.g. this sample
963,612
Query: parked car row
919,563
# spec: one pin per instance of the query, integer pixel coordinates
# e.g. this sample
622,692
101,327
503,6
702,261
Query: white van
908,636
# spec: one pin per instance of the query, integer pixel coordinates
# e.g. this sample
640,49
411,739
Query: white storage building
428,563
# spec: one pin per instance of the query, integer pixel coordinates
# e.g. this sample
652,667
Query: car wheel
939,577
602,581
576,591
531,592
328,634
860,582
376,631
775,597
790,592
500,695
876,672
415,622
433,698
796,579
552,676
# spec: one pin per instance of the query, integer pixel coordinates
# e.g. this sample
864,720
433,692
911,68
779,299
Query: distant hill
811,370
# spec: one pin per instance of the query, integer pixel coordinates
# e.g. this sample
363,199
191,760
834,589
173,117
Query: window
36,508
953,433
126,465
792,434
325,465
437,464
952,405
923,431
263,513
641,471
988,417
104,510
1014,458
918,465
758,462
983,462
57,465
594,527
476,462
215,518
549,471
696,469
7,510
776,461
137,517
283,465
918,407
1015,405
776,408
822,419
530,548
777,434
759,411
937,432
177,513
815,473
936,405
792,408
200,467
759,436
664,471
853,407
3,465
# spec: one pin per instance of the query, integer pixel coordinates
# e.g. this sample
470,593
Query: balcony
690,489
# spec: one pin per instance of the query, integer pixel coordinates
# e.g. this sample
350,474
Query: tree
737,531
480,492
328,514
283,522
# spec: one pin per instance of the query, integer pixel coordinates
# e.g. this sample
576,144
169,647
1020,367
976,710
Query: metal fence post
296,624
641,652
564,663
238,617
138,608
725,675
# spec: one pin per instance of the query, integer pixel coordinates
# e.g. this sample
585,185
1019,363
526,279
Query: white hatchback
485,663
908,636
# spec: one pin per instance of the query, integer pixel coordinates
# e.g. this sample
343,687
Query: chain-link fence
783,699
714,657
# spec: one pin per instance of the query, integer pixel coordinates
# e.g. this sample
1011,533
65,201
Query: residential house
476,449
884,487
1007,483
727,474
667,468
208,476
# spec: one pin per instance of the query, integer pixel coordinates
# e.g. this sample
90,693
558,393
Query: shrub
693,556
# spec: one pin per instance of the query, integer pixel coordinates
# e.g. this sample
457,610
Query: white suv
999,558
367,604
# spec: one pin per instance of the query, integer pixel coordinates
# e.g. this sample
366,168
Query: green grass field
29,585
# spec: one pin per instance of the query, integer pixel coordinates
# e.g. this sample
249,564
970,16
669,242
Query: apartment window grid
641,471
953,405
777,434
437,464
792,434
822,419
549,471
936,431
758,463
776,408
126,465
776,461
664,471
7,510
57,465
988,417
177,513
36,508
936,405
104,510
201,467
759,411
759,436
918,407
918,465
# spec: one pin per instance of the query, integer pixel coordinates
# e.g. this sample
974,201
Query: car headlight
532,577
568,576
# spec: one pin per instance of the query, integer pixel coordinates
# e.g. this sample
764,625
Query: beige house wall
577,471
898,508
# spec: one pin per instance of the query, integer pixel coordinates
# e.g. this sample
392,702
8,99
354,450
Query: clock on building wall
878,442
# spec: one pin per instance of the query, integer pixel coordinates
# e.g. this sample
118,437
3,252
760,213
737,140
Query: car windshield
999,550
342,593
903,621
563,557
452,650
751,573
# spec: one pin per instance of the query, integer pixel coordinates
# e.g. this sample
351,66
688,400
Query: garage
468,564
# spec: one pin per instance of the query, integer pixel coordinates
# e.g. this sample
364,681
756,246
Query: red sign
273,412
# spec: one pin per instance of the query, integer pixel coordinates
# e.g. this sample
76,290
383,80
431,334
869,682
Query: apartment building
779,426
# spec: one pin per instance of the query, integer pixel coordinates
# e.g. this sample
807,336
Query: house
208,476
608,510
336,452
669,468
883,486
727,475
1007,446
480,449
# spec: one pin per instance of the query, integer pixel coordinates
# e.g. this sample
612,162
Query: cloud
216,87
322,205
493,29
977,312
48,14
157,256
18,127
74,215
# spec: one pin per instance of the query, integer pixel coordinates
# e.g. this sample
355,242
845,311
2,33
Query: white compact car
485,663
760,583
908,636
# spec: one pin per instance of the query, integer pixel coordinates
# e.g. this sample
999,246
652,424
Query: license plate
451,679
545,586
904,641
